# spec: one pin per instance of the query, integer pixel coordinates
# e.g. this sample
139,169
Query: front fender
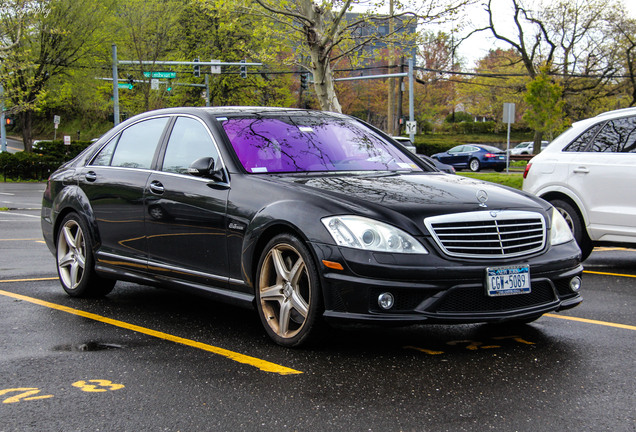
298,217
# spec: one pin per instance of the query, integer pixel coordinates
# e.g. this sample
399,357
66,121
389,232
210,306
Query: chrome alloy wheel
567,216
71,254
284,290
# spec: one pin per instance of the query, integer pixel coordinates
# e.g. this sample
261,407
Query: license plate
502,281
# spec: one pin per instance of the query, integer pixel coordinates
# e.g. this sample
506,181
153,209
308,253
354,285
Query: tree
545,104
57,35
570,38
323,32
147,32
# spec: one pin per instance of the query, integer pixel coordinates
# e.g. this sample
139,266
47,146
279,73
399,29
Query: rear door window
135,147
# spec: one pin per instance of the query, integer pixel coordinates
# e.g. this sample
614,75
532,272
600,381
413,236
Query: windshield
311,143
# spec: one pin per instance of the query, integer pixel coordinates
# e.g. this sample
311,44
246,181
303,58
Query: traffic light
197,68
243,70
169,88
131,82
9,121
303,80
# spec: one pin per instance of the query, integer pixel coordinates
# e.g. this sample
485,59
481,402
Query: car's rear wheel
75,260
474,165
575,222
288,295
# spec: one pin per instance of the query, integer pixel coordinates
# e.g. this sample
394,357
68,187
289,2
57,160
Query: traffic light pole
115,88
3,129
212,64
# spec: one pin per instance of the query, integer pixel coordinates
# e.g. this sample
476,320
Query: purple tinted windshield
311,144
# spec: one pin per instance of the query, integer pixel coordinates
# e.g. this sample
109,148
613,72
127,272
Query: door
114,182
604,177
185,215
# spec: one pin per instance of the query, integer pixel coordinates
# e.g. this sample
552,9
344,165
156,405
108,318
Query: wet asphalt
117,363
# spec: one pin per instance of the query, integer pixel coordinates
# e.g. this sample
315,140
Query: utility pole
3,129
115,88
390,122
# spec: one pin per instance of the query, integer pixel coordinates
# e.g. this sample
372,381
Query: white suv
589,174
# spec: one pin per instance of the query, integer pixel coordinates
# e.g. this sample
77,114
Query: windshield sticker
221,119
259,169
305,129
405,165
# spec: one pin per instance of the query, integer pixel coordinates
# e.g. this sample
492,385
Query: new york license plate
501,281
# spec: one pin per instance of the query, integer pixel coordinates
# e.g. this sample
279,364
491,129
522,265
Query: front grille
488,234
474,299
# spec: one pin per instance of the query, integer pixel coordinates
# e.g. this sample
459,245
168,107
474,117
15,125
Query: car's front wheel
575,222
75,260
288,295
474,165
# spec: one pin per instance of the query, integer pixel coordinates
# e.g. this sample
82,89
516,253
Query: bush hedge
39,164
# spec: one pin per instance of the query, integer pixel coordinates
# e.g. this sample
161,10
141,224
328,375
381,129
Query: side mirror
207,167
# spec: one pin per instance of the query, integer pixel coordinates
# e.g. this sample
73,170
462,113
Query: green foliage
545,106
26,166
513,180
459,116
58,151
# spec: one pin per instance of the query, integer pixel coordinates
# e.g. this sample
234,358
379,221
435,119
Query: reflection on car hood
416,195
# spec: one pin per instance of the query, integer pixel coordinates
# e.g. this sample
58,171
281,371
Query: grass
513,180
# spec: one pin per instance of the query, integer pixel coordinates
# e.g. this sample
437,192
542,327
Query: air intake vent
488,234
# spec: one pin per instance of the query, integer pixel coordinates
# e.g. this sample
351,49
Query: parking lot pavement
148,359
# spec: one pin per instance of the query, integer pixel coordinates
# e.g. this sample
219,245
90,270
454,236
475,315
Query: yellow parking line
609,274
237,357
589,321
29,280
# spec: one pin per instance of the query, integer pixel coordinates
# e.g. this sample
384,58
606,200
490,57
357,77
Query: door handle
90,176
156,188
581,170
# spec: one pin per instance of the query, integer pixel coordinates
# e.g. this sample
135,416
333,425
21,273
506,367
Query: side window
580,144
137,144
457,149
189,141
105,155
628,143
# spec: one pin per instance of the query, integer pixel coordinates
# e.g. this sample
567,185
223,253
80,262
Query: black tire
474,165
499,169
75,262
288,293
575,222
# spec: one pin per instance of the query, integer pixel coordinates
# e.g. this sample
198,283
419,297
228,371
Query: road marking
25,239
609,274
21,214
589,321
237,357
29,280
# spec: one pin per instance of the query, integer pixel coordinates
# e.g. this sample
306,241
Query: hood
391,197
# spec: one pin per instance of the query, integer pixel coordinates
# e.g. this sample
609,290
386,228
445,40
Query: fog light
386,300
575,283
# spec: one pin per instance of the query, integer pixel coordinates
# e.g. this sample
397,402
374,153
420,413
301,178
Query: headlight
560,232
362,233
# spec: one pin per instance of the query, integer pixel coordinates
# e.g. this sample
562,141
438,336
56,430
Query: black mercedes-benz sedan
306,216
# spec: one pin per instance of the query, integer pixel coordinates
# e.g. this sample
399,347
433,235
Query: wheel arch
555,194
73,200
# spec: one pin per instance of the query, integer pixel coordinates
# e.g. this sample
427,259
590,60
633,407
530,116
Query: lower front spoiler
452,318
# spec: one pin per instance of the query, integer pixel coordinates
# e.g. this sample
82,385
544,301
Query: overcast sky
479,44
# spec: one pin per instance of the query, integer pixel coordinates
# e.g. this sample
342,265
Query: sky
478,45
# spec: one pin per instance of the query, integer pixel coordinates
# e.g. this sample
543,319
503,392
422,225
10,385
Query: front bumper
434,289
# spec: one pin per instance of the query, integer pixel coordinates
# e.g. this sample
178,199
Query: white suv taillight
525,173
